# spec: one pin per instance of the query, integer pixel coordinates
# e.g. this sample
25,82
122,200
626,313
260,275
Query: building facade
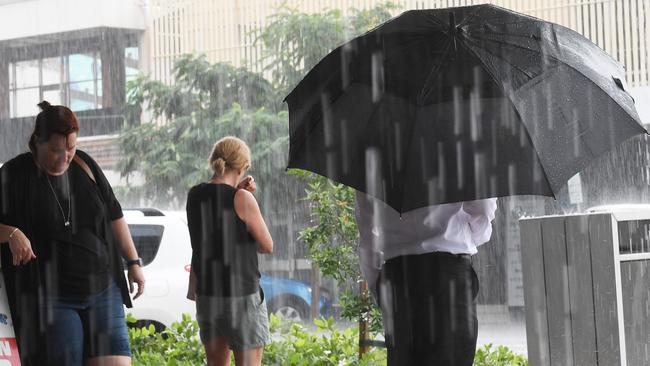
76,53
225,30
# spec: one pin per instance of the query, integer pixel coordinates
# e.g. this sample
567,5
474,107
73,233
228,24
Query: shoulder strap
85,167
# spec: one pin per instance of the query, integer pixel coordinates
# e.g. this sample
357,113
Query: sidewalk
501,327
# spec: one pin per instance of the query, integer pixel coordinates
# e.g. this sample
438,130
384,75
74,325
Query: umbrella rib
473,43
414,45
474,15
549,56
561,62
426,89
408,162
484,37
497,56
530,140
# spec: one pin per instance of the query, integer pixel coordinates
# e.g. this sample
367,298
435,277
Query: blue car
291,299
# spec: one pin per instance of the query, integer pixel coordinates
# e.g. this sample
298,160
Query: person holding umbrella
418,267
437,111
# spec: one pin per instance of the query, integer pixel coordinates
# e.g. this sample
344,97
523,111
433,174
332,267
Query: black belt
460,256
433,256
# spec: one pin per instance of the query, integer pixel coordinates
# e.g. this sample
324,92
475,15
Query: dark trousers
428,303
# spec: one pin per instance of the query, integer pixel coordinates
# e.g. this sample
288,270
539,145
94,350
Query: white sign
8,346
575,189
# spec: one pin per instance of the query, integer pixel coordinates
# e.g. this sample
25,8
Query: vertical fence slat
627,38
608,34
591,19
634,40
599,24
645,41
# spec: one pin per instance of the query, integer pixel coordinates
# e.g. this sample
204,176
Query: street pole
315,291
363,323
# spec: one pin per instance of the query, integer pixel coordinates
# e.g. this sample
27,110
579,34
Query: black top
24,203
74,258
224,254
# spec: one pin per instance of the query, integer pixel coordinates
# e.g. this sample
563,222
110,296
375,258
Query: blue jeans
80,328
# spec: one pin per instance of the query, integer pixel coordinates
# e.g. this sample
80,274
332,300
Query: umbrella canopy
457,104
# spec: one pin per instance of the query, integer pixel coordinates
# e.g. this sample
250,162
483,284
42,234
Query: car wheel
289,308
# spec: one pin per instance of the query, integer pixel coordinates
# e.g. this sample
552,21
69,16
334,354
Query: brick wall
104,149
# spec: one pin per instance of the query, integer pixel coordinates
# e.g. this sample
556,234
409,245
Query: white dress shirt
456,228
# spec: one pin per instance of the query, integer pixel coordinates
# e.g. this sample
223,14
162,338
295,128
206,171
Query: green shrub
501,356
294,345
178,345
291,344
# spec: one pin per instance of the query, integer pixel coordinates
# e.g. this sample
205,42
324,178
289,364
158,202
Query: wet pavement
502,327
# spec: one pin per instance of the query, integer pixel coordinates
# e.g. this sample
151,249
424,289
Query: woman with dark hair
66,237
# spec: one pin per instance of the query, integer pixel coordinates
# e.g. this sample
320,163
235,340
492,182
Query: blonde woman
227,230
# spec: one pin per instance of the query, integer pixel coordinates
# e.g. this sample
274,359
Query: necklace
66,221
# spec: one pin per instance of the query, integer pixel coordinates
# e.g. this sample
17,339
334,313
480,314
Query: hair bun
44,105
219,165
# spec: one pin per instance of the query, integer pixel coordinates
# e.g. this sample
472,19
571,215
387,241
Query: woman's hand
21,248
127,248
248,184
135,275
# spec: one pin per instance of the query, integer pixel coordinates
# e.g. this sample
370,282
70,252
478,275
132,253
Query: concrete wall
37,17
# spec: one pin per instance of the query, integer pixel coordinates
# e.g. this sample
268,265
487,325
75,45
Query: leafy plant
173,156
332,241
178,345
293,41
291,345
294,345
501,356
204,103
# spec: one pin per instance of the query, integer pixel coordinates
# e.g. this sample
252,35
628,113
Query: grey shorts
242,321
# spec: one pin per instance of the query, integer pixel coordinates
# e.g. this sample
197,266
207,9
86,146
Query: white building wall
39,17
641,97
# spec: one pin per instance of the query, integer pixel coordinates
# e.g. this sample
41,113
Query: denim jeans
80,328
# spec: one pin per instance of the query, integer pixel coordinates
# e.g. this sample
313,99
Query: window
85,74
131,60
147,240
24,87
74,80
52,71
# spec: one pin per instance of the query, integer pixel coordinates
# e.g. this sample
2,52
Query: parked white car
163,243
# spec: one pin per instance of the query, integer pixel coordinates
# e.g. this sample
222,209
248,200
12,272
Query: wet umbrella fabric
456,104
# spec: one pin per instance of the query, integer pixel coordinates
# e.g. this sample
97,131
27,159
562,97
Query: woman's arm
19,244
128,251
481,212
118,224
248,210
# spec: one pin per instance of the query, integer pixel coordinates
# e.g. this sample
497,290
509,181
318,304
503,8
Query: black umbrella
447,105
